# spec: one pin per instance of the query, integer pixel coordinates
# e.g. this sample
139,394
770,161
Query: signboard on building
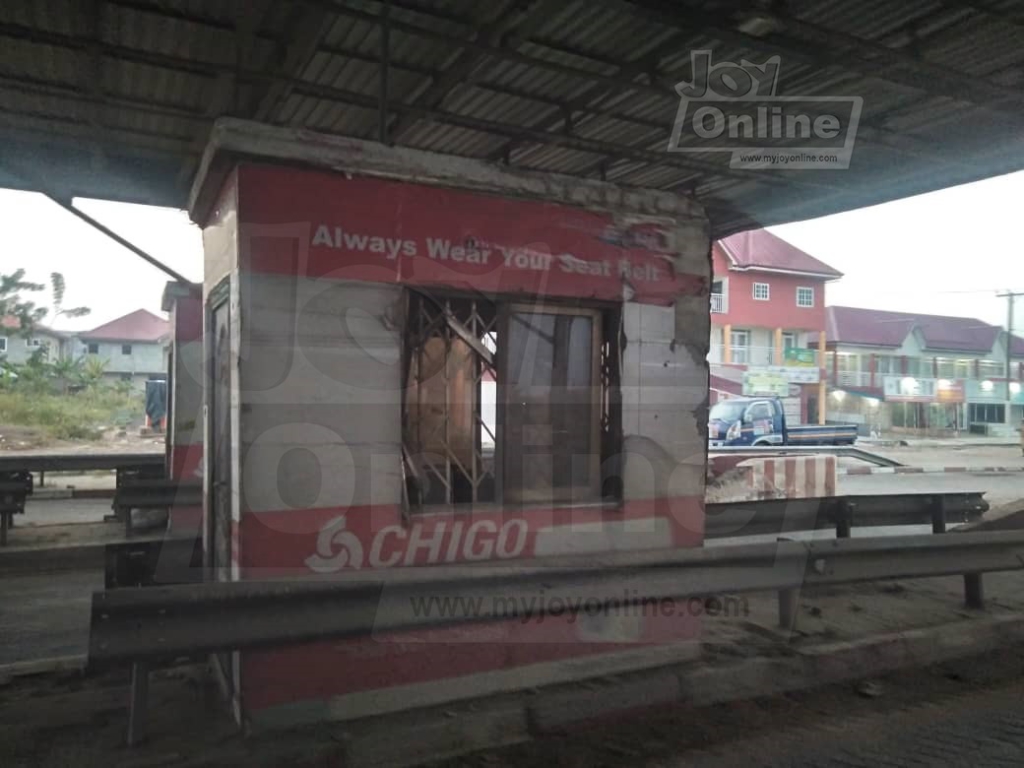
908,389
763,383
993,392
800,358
950,392
794,374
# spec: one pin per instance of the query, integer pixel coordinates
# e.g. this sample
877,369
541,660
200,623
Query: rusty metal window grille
450,359
508,402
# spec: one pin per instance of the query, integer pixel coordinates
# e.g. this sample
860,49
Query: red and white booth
419,360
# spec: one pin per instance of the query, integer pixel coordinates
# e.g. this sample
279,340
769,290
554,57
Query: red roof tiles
139,325
760,249
879,328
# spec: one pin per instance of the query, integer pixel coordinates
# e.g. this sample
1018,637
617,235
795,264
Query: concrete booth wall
184,305
317,282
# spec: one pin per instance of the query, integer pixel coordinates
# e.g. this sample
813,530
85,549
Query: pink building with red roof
768,320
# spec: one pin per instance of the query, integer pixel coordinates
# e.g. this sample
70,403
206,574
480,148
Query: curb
75,663
928,470
56,494
36,559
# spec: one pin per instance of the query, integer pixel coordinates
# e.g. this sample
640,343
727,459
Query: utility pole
1010,297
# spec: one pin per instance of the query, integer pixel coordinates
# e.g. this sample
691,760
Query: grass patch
81,416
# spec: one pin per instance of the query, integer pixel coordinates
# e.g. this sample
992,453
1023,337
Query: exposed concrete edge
418,736
31,560
74,663
50,558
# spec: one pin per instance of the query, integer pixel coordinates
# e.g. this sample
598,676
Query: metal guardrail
797,450
132,625
73,462
142,626
155,561
842,513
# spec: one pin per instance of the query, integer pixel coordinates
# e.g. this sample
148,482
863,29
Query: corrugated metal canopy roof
114,98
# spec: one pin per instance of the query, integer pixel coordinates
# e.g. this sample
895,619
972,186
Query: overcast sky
948,252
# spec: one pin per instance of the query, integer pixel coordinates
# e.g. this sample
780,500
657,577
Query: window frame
126,349
767,291
604,484
92,348
3,343
808,288
733,346
591,493
770,415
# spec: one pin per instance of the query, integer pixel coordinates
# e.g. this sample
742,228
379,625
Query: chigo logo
338,548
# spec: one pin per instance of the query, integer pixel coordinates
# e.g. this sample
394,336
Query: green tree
14,304
58,287
67,371
92,371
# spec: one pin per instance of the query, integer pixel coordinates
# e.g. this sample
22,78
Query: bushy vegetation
68,400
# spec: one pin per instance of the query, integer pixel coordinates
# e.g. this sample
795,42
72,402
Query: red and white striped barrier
791,477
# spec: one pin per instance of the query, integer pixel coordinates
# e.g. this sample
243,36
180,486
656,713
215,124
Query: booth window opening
509,402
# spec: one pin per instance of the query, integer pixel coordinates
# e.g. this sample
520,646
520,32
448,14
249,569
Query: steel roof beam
837,49
222,92
485,126
509,29
305,29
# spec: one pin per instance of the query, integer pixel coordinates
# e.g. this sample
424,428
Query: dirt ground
17,439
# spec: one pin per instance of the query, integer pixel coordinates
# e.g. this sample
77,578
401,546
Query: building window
126,377
126,349
761,291
740,341
33,343
508,403
92,349
718,296
805,297
986,413
3,343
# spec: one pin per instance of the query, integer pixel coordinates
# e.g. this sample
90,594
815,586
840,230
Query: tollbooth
416,360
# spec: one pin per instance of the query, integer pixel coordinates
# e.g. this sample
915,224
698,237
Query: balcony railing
756,356
854,379
718,304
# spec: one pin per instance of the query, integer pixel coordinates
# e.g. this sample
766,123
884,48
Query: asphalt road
46,616
998,488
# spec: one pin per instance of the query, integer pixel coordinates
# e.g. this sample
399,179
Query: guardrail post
938,510
138,704
974,591
789,604
844,520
